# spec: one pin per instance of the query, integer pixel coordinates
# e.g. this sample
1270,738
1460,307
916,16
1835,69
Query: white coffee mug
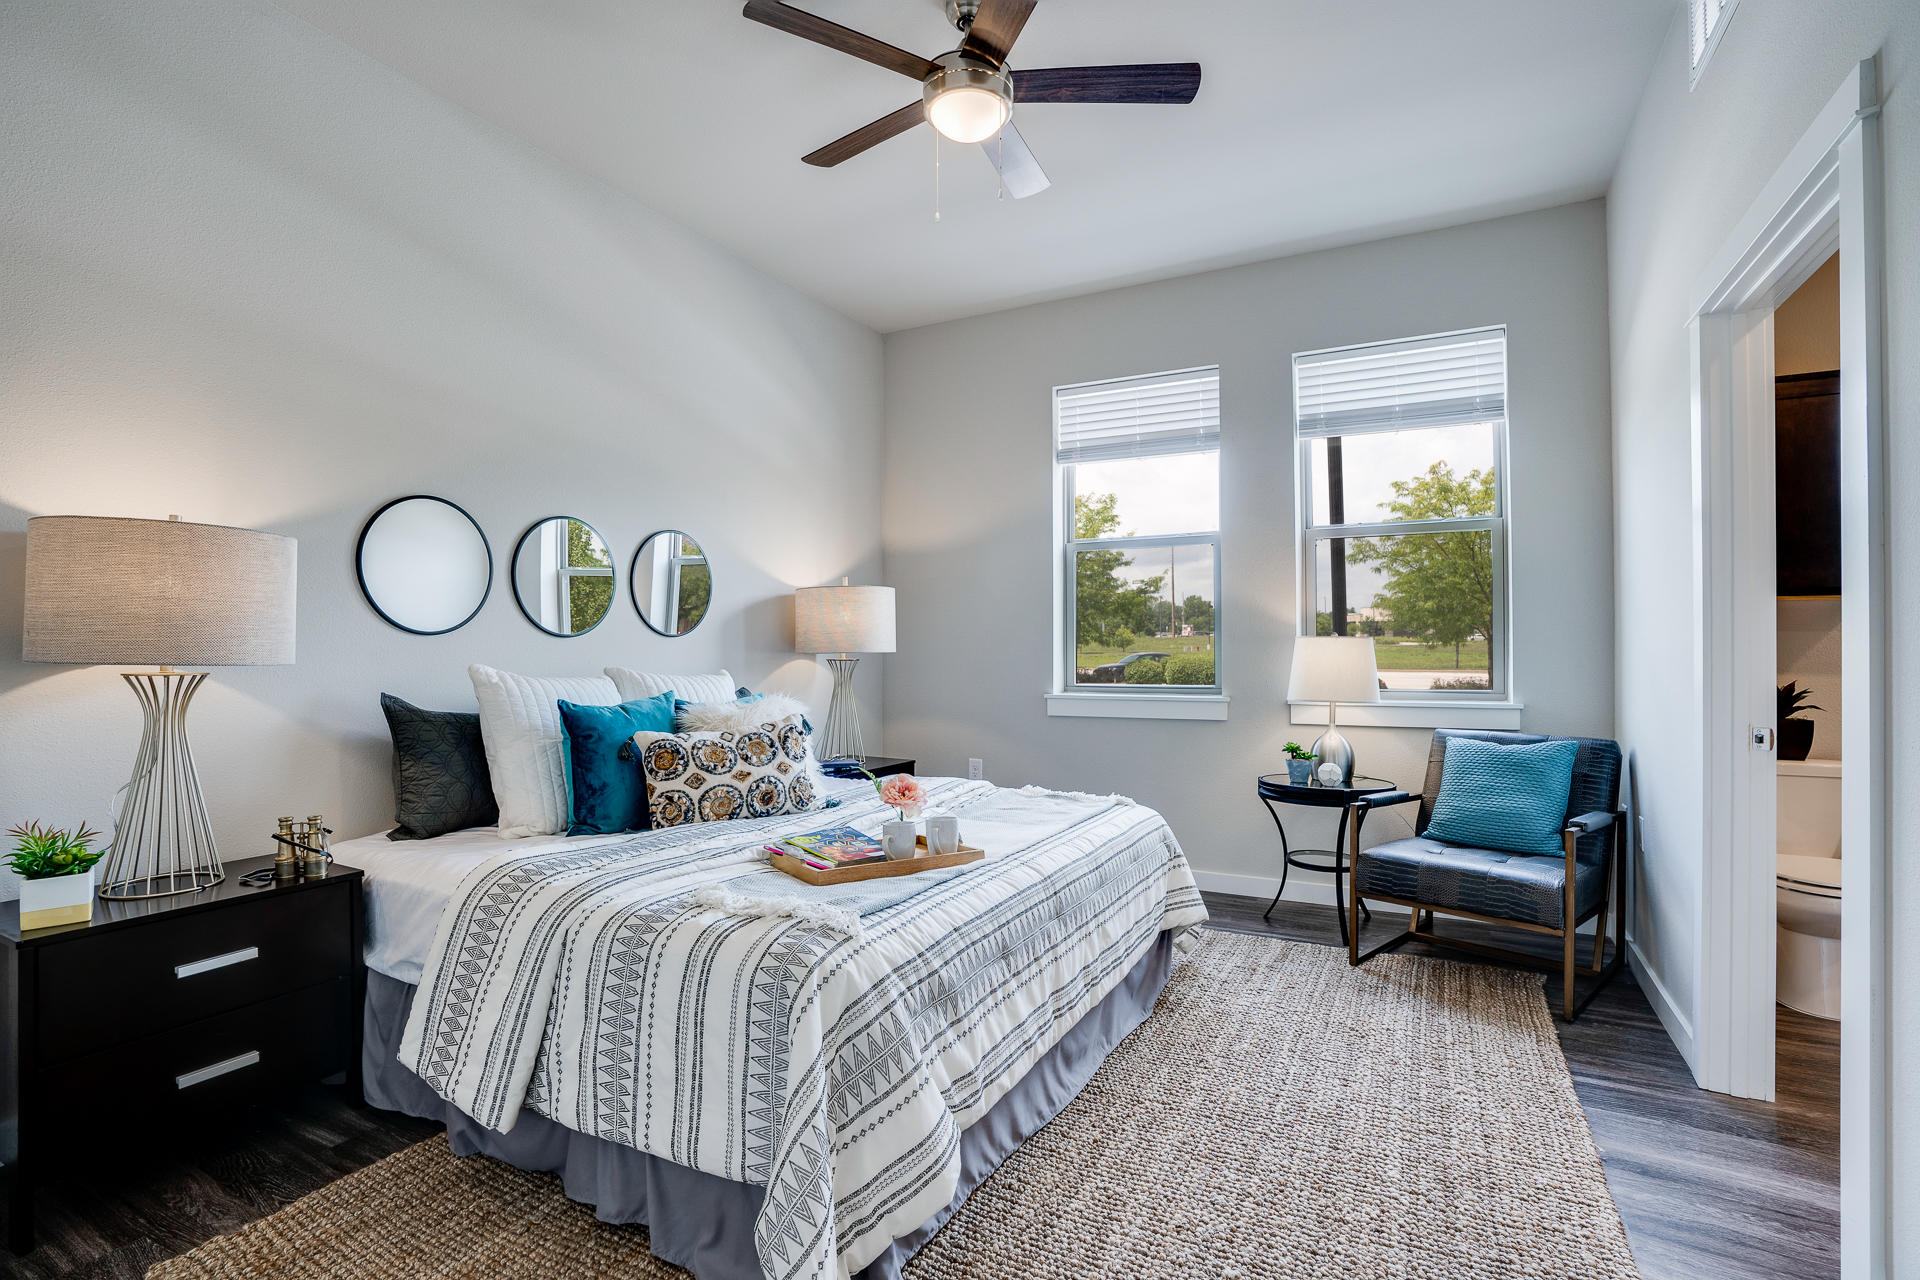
897,839
943,834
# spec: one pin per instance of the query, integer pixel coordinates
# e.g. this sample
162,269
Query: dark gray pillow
440,780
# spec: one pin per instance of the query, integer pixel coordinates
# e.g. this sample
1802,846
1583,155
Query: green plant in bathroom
1794,730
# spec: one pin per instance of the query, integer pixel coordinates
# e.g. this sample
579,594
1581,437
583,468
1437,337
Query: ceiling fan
968,95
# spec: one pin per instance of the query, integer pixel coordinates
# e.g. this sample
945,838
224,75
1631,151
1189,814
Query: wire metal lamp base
162,841
840,739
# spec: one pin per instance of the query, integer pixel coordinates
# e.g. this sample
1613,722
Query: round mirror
424,565
672,583
563,576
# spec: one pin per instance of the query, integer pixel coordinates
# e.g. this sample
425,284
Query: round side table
1275,790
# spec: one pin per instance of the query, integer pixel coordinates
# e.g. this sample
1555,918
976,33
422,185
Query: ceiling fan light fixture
968,100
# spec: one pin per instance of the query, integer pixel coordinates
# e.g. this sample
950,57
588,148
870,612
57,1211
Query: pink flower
904,793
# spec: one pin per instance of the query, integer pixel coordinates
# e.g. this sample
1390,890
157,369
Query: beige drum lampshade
108,590
1333,669
843,619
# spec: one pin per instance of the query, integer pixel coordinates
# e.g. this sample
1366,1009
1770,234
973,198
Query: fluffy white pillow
714,717
634,685
520,726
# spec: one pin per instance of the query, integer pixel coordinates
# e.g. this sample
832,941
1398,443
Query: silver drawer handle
217,1070
211,963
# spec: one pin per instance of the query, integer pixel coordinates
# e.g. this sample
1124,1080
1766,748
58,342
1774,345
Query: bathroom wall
1806,339
253,277
1809,655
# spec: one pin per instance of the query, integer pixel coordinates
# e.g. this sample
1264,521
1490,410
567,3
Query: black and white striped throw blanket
835,1070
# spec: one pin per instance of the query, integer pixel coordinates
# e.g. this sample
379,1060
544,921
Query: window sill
1414,715
1139,706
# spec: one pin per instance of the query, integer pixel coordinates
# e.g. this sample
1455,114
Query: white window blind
1144,417
1391,386
1706,19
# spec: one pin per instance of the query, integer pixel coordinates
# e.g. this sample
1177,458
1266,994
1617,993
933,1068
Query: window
576,577
1401,452
1706,21
1139,469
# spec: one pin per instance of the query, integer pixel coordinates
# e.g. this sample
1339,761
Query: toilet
1807,887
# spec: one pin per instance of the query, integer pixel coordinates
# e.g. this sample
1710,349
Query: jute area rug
1280,1115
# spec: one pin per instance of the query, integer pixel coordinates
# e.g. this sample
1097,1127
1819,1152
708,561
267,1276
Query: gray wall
253,277
1694,162
969,491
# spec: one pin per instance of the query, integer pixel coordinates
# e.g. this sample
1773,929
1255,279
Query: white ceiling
1317,123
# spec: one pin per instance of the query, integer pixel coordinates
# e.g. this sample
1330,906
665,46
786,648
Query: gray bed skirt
703,1222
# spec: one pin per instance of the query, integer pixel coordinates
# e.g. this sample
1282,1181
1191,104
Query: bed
777,1088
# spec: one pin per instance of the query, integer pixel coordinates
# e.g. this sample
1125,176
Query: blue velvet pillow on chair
1504,796
605,794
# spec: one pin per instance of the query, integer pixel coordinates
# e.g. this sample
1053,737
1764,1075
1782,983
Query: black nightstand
878,766
164,1006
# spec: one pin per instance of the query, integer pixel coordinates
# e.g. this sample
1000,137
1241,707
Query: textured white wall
253,277
1694,162
970,542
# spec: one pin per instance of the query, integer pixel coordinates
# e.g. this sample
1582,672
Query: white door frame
1826,196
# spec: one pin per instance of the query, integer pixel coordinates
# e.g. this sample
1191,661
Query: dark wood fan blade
1020,173
1172,83
868,135
995,27
798,22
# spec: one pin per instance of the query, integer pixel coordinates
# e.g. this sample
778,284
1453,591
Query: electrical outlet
976,769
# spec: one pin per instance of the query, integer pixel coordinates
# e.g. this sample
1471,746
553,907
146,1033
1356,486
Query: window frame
1066,686
1709,41
1308,536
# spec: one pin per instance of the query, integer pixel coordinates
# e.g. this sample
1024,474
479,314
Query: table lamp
1333,669
843,620
107,590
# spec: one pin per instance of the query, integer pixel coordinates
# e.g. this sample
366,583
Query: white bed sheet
409,882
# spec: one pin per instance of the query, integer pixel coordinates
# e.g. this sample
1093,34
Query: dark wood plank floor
1709,1186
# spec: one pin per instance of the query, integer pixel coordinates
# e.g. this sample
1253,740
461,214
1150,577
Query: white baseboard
1679,1027
1302,886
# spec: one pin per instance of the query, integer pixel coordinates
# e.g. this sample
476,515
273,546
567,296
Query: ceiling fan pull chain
936,173
1000,163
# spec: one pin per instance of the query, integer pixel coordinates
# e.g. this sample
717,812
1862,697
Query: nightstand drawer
276,1046
134,982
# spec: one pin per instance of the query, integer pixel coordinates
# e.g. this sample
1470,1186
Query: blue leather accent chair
1550,894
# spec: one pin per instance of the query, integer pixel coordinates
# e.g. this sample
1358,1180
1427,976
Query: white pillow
634,685
520,727
712,717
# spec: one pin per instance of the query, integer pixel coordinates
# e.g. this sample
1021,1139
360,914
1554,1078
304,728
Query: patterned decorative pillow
755,772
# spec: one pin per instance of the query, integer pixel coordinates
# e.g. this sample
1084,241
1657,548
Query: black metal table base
1274,791
1335,864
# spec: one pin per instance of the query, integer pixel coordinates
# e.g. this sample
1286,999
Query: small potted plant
56,874
1299,764
1795,732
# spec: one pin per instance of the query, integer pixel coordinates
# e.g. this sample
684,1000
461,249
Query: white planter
56,900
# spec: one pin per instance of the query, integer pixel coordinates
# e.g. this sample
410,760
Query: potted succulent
1795,732
1299,764
56,874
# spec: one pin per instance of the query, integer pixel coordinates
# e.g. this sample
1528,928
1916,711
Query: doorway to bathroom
1824,200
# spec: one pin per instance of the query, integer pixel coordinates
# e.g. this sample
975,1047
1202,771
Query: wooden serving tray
877,870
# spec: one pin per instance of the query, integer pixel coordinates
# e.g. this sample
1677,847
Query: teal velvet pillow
605,794
1506,796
